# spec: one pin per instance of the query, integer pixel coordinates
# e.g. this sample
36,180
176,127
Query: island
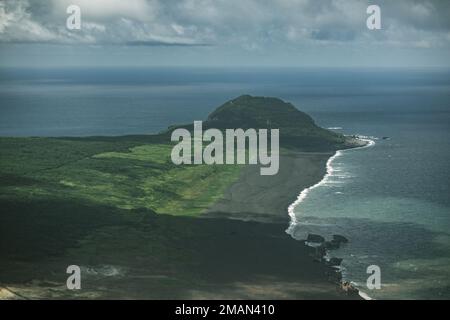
141,227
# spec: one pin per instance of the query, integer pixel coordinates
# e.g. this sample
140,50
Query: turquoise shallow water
406,236
390,200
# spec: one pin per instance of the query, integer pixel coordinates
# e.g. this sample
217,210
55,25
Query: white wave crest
325,181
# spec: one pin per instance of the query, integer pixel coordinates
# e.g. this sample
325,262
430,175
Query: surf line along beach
294,223
365,143
266,199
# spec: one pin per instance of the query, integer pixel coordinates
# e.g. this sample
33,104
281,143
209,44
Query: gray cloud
249,24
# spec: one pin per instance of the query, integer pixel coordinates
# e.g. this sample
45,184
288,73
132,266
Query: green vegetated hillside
297,129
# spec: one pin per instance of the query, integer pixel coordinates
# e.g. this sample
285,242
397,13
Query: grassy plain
128,174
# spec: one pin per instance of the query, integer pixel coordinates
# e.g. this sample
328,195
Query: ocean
391,200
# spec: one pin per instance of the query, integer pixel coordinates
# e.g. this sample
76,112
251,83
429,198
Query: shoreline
240,201
266,198
329,172
252,198
304,193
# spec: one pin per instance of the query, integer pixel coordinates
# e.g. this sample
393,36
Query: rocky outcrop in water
315,238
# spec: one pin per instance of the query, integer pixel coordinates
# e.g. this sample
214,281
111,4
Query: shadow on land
158,256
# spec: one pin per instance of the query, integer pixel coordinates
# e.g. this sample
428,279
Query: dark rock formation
332,245
335,262
349,289
339,238
315,238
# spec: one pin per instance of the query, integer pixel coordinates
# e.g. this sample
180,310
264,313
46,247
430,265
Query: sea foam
370,141
302,196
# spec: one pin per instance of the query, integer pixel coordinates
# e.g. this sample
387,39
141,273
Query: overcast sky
225,33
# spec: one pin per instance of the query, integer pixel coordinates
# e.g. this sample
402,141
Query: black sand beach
266,198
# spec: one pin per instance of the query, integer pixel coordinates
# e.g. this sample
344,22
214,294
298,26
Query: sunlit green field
127,174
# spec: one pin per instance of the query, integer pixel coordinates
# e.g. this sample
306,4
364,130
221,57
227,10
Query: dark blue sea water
390,200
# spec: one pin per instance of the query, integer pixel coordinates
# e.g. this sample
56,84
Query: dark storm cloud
243,23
